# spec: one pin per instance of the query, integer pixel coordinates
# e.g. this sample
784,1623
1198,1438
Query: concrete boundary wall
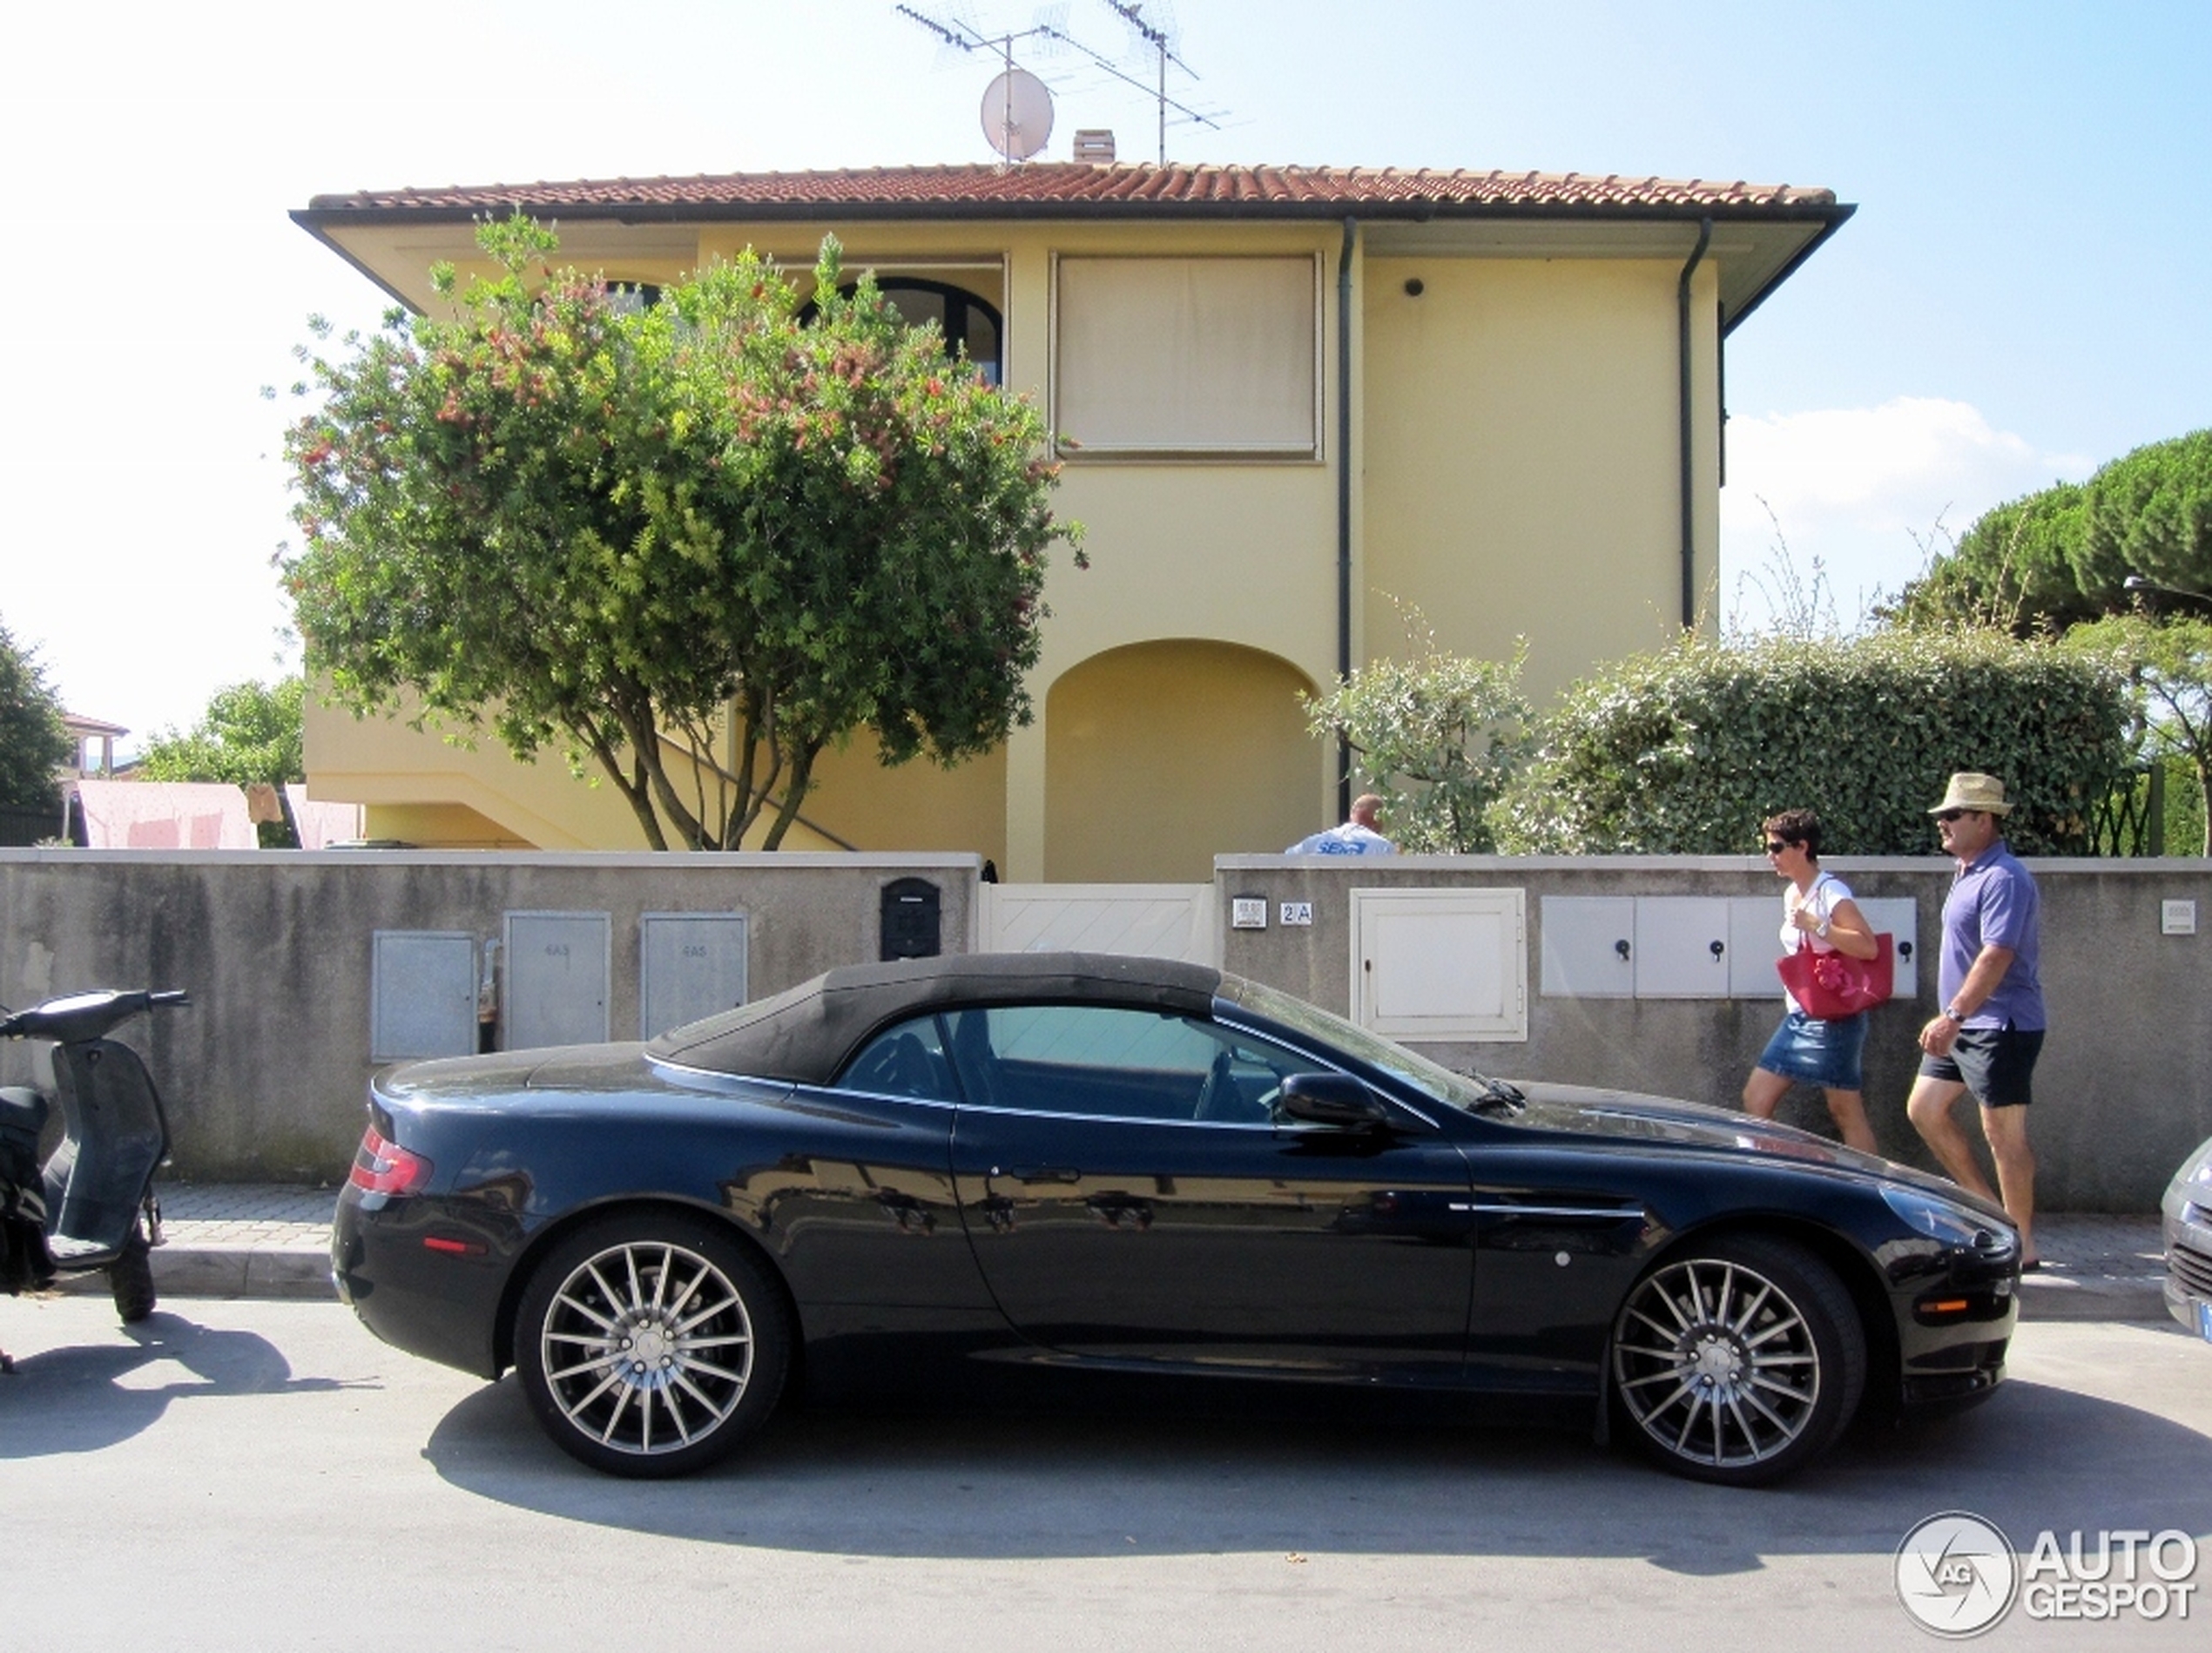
2123,1092
264,1076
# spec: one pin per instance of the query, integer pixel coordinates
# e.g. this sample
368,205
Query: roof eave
326,212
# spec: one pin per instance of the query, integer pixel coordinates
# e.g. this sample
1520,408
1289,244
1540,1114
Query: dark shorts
1995,1064
1817,1053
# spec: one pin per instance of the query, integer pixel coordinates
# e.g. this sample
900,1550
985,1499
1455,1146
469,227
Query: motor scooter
90,1205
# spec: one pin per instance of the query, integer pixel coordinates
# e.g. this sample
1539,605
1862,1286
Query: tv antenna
1155,37
1017,107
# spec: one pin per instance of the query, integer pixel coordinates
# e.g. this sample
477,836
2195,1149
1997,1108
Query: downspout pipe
1689,477
1344,499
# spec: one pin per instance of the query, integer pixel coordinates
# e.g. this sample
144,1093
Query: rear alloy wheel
130,1277
1739,1361
650,1345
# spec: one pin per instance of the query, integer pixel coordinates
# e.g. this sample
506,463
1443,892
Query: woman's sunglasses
1774,846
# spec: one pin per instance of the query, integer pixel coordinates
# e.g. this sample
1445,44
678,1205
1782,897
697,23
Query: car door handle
1046,1174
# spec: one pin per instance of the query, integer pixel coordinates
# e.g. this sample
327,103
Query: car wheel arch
542,1243
1855,1271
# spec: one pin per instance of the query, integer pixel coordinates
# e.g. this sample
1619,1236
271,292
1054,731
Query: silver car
2188,1208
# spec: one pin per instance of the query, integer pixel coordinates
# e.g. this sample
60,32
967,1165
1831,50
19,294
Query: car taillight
383,1167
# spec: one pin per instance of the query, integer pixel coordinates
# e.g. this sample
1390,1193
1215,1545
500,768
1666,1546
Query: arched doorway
1160,756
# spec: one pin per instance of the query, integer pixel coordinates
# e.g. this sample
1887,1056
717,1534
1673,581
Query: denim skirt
1817,1053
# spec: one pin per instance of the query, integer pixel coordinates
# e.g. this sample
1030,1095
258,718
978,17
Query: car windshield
1469,1091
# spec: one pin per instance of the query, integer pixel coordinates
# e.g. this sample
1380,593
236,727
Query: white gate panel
1147,921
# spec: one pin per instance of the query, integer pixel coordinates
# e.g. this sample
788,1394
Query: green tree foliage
2168,667
249,734
1685,751
33,742
1437,736
693,542
2062,557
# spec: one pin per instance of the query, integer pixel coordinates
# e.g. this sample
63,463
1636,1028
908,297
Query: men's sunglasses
1949,815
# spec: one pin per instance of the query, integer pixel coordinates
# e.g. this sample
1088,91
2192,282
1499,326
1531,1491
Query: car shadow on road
80,1397
1292,1471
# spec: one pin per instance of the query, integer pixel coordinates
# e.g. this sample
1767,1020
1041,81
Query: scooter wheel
130,1278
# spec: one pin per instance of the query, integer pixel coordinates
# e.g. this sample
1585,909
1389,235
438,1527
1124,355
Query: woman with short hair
1816,911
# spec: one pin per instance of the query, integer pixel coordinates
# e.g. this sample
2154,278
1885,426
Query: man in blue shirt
1991,1030
1358,836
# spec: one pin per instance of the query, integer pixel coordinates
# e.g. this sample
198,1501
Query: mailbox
909,920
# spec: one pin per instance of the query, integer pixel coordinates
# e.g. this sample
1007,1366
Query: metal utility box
1443,964
555,991
422,995
690,965
1589,947
1754,946
910,918
1681,947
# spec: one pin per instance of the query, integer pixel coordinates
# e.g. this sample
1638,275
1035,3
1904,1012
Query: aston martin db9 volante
1136,1166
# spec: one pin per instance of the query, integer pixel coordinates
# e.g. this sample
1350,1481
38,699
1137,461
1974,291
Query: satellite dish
1017,114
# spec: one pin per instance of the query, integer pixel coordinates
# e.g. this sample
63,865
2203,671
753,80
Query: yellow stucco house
1281,397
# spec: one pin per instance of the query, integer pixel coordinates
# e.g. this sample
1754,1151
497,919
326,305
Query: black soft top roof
805,1034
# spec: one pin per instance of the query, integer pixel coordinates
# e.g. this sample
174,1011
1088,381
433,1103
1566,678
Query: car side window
908,1060
1111,1063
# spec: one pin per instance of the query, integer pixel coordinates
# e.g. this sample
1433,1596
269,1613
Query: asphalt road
239,1475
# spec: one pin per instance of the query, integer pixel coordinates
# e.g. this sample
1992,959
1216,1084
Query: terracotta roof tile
1044,188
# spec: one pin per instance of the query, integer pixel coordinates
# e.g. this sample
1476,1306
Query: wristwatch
1951,1012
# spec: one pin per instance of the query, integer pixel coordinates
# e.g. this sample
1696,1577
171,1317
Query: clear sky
2025,293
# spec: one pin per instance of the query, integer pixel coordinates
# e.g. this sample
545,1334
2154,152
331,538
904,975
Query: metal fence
21,828
2131,819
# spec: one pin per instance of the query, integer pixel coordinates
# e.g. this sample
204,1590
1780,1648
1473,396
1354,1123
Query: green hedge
1685,750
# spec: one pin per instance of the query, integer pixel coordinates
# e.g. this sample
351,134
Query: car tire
652,1344
1737,1361
130,1278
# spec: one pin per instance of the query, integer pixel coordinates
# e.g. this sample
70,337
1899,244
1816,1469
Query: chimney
1095,144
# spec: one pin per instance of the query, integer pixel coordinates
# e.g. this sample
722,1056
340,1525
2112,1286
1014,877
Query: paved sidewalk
249,1240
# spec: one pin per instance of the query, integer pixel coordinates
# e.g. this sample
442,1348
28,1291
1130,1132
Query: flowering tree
693,542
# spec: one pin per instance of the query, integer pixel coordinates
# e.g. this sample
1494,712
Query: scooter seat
23,1116
22,1109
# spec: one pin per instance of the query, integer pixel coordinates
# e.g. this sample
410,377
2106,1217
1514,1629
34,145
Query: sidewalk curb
2057,1298
188,1271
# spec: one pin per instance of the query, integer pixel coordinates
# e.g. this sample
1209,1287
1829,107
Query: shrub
1685,751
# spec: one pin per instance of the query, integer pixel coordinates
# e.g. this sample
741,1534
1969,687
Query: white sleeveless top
1828,893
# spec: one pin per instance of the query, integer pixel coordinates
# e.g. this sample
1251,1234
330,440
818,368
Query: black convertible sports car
1149,1167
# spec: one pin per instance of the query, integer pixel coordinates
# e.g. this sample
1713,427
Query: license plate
2204,1320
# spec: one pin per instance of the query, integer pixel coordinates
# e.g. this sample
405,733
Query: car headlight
1942,1219
2195,1174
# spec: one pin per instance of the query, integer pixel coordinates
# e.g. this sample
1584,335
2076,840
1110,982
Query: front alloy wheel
1739,1361
650,1346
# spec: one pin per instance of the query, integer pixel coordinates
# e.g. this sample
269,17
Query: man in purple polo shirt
1991,1029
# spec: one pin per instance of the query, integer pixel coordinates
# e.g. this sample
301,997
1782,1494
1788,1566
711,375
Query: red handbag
1834,987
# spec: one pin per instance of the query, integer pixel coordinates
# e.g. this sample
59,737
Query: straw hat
1971,790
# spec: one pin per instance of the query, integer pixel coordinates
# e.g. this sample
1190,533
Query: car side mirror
1332,1099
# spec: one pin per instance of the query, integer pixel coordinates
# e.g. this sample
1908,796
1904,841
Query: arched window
967,322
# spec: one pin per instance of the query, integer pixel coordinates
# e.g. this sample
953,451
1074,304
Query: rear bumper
434,1302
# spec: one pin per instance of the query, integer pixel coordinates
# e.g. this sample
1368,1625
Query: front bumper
2188,1228
1956,1310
